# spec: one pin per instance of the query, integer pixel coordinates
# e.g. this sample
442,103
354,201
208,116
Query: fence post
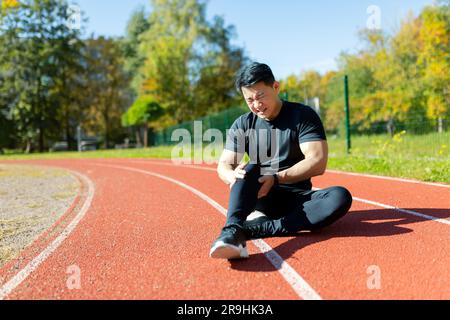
227,119
347,115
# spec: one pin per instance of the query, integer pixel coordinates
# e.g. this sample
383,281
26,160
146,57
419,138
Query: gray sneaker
230,245
256,227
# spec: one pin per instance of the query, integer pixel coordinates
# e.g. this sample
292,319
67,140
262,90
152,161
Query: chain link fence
379,126
221,121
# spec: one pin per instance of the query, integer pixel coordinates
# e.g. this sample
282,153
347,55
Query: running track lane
145,245
411,252
426,198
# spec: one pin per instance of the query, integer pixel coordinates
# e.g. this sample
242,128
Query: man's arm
229,168
314,164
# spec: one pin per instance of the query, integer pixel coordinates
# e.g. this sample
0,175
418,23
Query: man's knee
250,181
343,198
253,172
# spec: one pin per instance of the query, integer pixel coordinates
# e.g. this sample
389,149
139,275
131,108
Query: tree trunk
106,136
145,136
41,138
67,104
68,135
390,126
106,130
138,135
28,147
41,103
69,139
440,125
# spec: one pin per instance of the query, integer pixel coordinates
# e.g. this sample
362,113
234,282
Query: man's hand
238,173
268,182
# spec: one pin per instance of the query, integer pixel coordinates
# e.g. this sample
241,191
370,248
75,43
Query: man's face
263,100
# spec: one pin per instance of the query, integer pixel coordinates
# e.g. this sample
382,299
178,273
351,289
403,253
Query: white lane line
414,213
34,264
300,286
434,184
174,165
378,204
390,178
411,212
386,206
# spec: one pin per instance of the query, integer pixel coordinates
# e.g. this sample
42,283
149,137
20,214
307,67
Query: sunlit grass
403,146
425,157
157,152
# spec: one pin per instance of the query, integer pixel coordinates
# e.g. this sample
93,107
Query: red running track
145,237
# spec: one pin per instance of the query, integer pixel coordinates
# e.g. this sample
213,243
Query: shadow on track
365,223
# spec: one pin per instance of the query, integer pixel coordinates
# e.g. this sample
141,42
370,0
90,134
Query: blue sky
289,35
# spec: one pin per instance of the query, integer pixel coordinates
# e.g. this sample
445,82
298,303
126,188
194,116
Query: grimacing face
263,100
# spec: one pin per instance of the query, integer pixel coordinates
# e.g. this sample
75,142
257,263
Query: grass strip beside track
426,158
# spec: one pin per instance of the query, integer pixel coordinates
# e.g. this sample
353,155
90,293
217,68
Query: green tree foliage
396,82
217,64
189,62
37,48
137,25
144,110
434,58
6,124
107,93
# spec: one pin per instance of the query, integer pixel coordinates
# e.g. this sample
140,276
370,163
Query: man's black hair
254,73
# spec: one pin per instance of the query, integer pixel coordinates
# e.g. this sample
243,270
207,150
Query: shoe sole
256,215
223,250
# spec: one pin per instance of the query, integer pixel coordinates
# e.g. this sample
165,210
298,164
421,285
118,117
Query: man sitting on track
271,195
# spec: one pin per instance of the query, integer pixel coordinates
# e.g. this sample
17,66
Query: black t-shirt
275,145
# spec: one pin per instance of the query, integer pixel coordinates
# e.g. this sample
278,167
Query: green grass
403,146
425,157
158,152
435,171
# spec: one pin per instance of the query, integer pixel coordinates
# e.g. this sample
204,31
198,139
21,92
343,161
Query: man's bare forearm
225,171
302,171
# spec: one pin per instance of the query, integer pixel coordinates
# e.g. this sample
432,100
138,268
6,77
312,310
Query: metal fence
350,126
220,121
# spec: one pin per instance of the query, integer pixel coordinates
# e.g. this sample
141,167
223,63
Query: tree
137,25
9,4
380,92
5,103
216,67
107,88
189,63
144,110
37,44
6,124
406,76
168,46
291,87
434,59
398,81
305,87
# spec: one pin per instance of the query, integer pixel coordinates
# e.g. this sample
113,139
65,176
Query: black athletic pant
290,210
